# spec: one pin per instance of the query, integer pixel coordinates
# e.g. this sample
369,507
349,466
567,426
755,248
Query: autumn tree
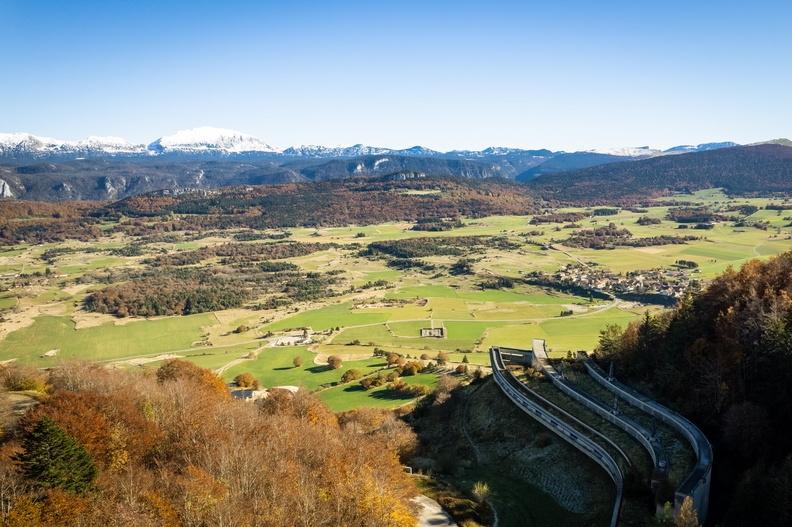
176,369
246,380
334,361
392,358
687,516
351,375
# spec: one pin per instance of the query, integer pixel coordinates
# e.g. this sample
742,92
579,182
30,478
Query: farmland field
372,303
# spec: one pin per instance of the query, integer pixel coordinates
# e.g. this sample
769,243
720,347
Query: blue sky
563,75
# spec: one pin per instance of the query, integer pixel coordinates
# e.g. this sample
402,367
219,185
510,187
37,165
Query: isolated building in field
433,332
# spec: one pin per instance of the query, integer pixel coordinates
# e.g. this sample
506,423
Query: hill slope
740,170
724,359
100,179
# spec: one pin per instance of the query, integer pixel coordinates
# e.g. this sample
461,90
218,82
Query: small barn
433,332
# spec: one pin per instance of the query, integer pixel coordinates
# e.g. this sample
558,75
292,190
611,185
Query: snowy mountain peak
23,143
206,139
628,151
683,149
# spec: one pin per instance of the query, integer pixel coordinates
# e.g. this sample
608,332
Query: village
662,285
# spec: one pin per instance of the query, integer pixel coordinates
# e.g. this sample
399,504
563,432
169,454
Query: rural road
432,514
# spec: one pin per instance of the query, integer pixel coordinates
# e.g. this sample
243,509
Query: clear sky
558,74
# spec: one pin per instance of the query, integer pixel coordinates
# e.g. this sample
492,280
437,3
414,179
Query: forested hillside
172,448
763,168
358,201
724,359
352,201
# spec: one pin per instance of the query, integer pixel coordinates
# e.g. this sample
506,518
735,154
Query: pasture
373,303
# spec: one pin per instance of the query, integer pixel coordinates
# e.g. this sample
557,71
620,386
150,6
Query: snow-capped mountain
685,149
337,151
501,151
206,139
209,142
25,144
627,151
109,144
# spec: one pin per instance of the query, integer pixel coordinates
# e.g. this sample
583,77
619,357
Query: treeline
172,448
330,203
185,291
436,246
746,170
240,252
40,222
48,231
157,296
610,237
558,217
351,201
724,359
693,215
437,224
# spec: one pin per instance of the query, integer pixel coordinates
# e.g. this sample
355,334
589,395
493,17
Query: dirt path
431,514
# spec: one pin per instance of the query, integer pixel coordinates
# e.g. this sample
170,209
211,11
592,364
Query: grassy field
328,317
39,312
101,343
348,396
275,367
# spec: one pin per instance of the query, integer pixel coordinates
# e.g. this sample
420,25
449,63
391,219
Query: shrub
334,361
17,377
481,491
392,358
411,368
246,380
351,375
298,361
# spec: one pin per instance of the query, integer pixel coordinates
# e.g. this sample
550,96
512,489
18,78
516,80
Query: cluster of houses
672,283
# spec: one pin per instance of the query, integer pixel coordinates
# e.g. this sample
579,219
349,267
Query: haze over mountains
33,167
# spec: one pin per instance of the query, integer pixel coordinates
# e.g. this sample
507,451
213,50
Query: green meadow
374,305
101,343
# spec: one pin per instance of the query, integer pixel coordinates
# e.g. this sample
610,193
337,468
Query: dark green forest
723,357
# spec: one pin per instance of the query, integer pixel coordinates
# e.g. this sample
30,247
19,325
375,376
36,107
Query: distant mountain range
223,143
762,168
34,167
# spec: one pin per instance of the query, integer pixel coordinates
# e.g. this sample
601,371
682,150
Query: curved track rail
697,483
519,395
638,432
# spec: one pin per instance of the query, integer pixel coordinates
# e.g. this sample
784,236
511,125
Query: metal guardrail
697,483
515,390
638,432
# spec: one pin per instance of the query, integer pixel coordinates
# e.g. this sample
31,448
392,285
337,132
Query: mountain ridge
765,168
206,140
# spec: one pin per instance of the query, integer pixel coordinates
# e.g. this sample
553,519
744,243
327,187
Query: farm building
433,332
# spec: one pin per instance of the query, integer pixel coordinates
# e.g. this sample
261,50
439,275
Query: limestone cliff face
5,190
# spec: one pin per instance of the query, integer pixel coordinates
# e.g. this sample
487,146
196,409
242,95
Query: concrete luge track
697,483
641,434
557,423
